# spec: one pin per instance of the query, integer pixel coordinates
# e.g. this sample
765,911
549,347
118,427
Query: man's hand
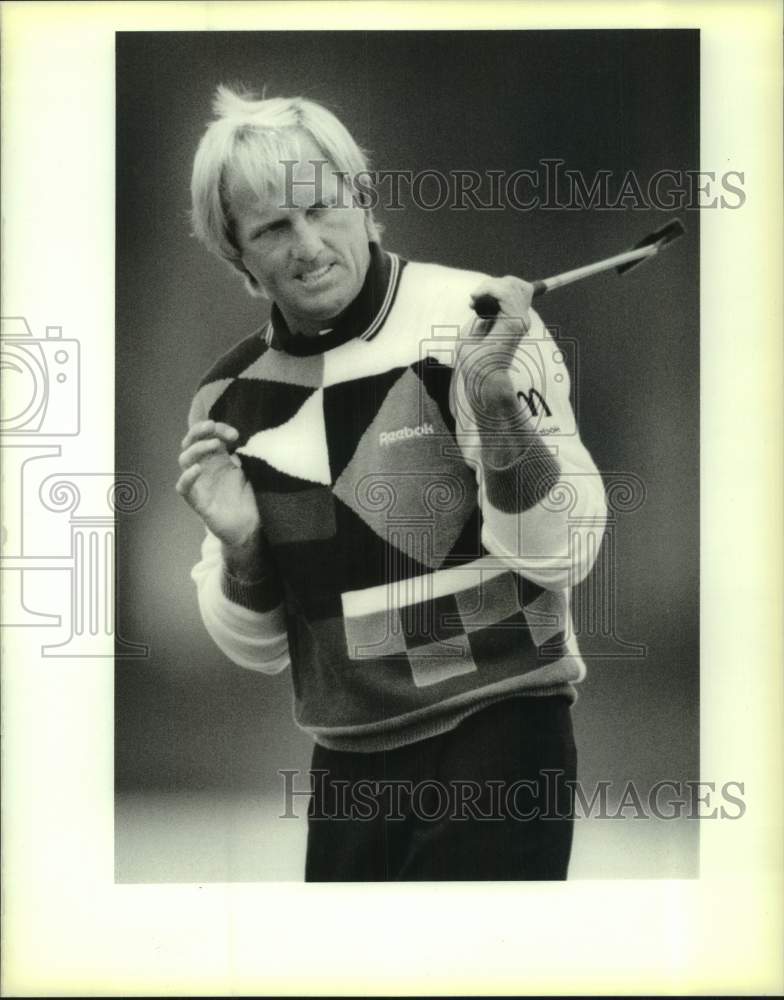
488,346
519,469
214,485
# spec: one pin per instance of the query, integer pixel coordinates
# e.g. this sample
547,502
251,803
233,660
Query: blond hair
247,141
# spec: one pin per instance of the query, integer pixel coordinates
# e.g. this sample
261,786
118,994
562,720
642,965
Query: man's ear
253,287
371,229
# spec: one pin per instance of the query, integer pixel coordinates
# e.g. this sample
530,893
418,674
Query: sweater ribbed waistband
395,735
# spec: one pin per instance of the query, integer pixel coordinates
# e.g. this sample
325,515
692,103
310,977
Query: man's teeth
315,275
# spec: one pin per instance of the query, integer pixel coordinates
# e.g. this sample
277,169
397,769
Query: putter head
661,236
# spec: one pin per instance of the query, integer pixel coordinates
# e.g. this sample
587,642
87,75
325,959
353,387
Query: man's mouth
310,278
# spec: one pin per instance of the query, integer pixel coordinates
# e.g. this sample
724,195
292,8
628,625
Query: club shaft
578,273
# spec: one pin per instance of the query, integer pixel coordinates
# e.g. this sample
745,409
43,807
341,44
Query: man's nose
307,243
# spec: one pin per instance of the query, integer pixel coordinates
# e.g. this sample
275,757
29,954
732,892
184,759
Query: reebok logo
389,437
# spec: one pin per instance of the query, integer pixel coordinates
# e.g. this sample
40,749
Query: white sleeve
256,639
554,542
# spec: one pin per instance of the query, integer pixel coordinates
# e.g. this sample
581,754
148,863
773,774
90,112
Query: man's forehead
285,183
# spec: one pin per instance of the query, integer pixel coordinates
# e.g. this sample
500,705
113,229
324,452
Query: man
384,479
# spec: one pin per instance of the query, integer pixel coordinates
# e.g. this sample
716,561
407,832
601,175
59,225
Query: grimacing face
310,259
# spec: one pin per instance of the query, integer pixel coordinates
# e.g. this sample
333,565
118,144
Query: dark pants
487,800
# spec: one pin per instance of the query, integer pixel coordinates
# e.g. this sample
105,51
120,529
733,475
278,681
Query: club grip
487,306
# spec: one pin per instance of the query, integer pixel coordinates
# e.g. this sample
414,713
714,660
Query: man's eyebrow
262,227
328,201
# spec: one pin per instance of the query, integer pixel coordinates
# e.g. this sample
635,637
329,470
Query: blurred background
199,741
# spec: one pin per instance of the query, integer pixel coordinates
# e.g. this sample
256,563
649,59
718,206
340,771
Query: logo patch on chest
405,434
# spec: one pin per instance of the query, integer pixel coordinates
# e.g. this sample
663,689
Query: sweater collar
362,318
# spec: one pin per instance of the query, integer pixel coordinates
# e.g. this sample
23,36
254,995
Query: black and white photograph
429,302
391,517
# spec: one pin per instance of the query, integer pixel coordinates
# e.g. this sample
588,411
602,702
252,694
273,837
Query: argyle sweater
406,585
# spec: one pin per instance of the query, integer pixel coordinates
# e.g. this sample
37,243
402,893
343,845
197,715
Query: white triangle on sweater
298,447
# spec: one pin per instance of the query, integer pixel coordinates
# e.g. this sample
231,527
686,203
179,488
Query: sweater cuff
523,483
255,595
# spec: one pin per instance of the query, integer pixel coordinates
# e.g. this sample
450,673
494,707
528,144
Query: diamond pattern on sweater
297,447
349,409
368,558
448,636
303,515
267,481
441,661
236,360
277,366
546,616
378,634
252,405
436,379
432,623
494,600
206,398
400,482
